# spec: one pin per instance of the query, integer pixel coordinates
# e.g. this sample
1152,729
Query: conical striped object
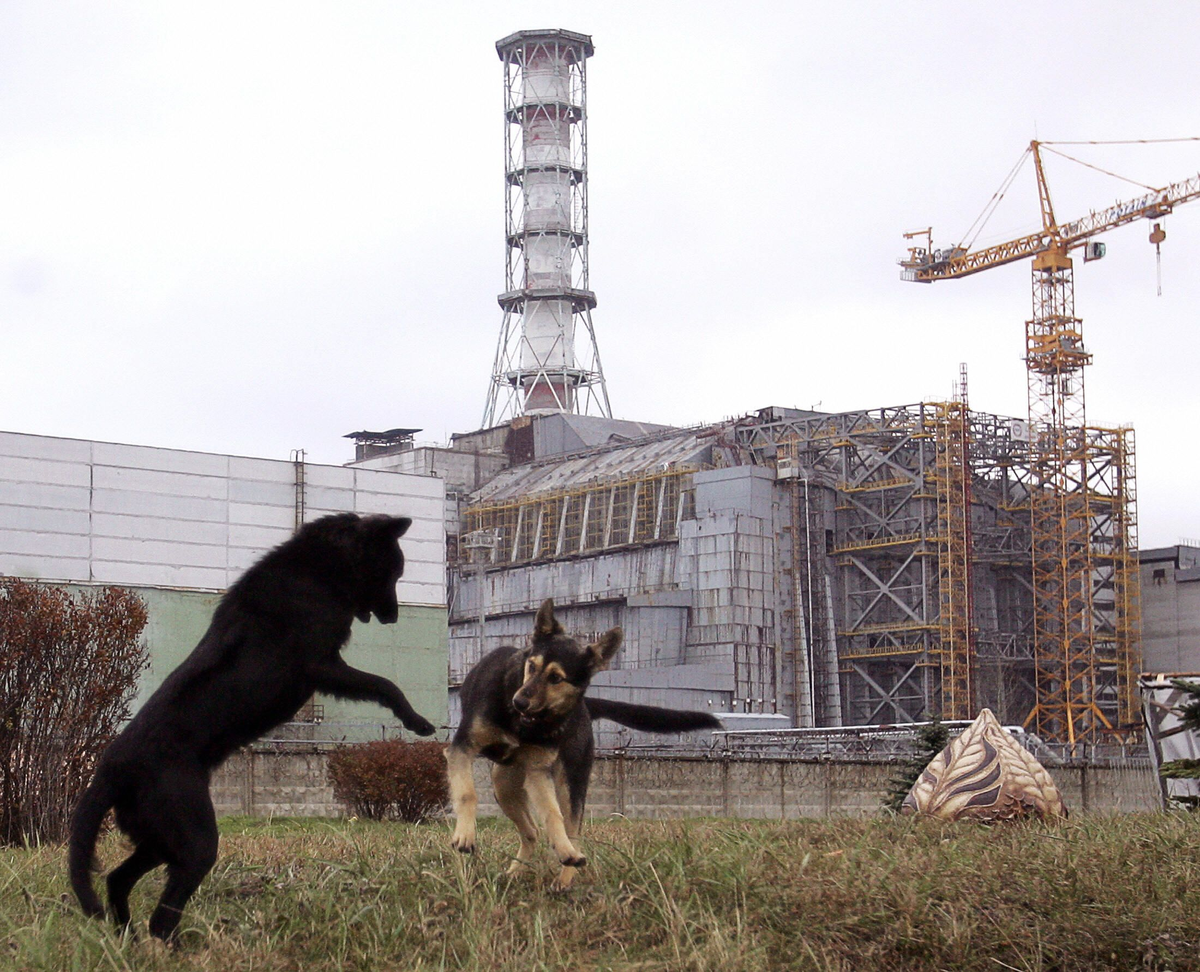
985,775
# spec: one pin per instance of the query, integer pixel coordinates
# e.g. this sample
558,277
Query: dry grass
1096,893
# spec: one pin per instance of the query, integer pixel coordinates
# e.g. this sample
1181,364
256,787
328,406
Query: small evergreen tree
1185,769
931,739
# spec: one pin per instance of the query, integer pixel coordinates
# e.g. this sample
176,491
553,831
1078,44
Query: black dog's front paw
420,725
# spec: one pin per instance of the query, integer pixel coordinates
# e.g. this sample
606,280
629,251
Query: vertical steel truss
1002,631
952,474
547,259
812,665
1112,530
1083,532
1126,580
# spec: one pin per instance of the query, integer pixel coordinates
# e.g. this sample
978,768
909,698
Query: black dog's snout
520,703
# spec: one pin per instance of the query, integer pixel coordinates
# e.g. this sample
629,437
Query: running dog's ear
546,624
601,652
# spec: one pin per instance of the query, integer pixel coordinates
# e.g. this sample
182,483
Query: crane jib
927,265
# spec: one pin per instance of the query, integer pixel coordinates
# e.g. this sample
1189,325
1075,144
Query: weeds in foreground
1094,893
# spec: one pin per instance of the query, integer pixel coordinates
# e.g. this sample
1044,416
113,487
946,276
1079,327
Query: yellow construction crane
1050,245
1081,479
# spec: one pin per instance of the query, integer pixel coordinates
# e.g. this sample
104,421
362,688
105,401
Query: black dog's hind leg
338,678
183,826
124,877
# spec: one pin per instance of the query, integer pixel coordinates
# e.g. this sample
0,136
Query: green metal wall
412,653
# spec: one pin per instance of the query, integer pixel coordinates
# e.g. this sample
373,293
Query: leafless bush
390,779
68,670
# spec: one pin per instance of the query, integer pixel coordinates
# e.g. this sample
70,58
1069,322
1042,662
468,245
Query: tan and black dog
525,711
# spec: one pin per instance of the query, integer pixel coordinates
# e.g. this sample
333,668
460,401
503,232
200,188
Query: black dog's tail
650,718
85,828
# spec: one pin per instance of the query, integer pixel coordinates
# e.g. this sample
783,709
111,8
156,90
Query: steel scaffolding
952,474
929,508
1083,526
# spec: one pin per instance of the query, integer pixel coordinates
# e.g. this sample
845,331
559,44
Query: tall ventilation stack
546,359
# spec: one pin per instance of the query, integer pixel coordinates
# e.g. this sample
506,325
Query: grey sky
253,227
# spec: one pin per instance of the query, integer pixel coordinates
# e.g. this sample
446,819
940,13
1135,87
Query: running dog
525,711
275,639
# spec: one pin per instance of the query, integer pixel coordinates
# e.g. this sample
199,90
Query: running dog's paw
577,860
464,845
420,725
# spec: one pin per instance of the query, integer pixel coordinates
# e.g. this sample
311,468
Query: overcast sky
254,227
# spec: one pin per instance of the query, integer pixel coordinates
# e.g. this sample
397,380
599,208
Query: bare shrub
390,779
68,670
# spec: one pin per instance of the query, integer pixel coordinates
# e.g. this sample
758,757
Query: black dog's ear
399,526
392,527
601,652
546,624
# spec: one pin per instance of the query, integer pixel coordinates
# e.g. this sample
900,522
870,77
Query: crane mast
1080,478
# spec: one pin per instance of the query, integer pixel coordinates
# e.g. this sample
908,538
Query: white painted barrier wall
100,512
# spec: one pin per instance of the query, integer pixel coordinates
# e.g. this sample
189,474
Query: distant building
180,527
1171,608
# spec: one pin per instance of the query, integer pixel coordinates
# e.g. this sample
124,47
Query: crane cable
1097,168
990,208
1130,141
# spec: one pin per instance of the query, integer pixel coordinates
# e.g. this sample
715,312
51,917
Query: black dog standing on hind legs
526,712
276,637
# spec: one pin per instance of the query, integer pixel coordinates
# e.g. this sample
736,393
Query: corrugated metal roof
684,447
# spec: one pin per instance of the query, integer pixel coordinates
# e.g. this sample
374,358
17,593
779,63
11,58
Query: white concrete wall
267,783
101,512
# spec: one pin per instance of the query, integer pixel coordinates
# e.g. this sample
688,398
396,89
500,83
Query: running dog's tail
85,828
650,718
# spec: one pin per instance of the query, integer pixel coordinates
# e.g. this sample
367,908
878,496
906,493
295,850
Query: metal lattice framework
972,559
898,555
546,358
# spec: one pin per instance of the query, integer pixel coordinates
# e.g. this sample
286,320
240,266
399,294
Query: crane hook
1157,235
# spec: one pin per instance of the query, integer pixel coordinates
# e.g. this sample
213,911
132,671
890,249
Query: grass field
1095,893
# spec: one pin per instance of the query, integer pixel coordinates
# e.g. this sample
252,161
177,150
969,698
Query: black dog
275,638
526,712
